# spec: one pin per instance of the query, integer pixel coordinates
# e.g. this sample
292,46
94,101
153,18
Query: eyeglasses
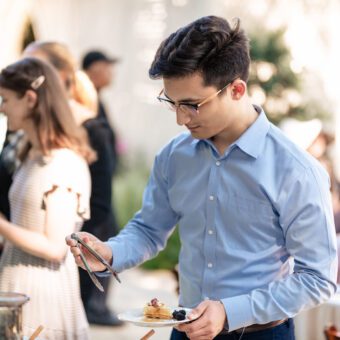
192,109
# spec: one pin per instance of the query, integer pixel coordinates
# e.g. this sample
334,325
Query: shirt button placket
210,243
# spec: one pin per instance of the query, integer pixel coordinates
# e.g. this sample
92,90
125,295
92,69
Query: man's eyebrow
183,101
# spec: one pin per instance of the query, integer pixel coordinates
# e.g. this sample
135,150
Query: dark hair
55,125
208,46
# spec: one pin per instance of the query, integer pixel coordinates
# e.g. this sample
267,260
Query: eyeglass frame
196,107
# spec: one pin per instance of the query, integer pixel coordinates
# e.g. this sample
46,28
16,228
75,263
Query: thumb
198,311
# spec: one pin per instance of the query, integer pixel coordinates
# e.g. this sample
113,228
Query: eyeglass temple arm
214,95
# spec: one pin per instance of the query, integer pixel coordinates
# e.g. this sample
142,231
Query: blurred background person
100,68
82,98
84,104
49,197
103,223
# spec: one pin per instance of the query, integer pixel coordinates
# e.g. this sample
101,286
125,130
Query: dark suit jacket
103,221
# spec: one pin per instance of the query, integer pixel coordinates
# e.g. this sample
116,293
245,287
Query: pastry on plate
157,310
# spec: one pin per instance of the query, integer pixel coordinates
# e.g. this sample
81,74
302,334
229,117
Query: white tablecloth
310,325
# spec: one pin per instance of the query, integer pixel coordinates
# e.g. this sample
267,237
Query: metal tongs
93,277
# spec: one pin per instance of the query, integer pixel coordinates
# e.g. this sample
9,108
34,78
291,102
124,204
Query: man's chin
12,128
198,135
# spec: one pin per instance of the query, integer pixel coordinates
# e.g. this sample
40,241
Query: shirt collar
252,140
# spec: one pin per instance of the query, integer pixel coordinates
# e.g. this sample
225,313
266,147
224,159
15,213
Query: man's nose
182,117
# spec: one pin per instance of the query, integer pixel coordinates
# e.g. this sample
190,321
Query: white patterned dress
53,288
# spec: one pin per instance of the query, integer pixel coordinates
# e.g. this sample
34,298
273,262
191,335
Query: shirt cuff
119,255
238,310
116,265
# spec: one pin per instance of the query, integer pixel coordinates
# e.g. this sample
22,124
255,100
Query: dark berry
180,316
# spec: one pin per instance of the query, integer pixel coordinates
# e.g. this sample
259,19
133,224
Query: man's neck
246,118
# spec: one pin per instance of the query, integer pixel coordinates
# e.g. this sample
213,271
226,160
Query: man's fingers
86,239
207,325
192,326
198,311
75,251
201,333
70,242
79,262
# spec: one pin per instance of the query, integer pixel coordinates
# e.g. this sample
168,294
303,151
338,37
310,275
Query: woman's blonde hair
78,85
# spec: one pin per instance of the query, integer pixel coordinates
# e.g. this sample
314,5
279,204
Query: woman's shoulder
65,155
67,168
67,163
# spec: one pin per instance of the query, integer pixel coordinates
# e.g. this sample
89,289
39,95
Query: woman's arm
61,215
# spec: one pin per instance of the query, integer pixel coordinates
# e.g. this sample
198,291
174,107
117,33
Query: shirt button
211,197
218,163
210,232
210,265
206,298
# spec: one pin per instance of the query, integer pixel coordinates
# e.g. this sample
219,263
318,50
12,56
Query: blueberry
180,316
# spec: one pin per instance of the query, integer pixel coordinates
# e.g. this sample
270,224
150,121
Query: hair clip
37,82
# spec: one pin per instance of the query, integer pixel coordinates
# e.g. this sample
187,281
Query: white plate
136,317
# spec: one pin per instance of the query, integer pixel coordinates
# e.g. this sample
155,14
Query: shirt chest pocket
252,223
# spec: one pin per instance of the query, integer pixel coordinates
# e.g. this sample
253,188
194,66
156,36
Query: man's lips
194,127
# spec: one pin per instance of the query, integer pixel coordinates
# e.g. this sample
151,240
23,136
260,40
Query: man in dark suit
103,222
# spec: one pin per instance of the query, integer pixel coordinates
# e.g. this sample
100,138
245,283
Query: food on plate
157,310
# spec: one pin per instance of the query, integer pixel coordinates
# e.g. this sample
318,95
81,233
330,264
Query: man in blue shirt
244,197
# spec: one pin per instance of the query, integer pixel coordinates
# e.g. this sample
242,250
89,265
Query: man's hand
211,318
100,247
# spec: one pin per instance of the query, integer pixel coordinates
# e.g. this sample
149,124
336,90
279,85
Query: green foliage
281,85
168,258
128,190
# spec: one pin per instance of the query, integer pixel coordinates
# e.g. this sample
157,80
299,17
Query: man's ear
31,98
238,89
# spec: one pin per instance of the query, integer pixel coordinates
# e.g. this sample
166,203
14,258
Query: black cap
94,56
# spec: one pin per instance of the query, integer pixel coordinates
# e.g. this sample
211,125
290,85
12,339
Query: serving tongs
93,277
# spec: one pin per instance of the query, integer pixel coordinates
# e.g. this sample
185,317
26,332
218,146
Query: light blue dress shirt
241,216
